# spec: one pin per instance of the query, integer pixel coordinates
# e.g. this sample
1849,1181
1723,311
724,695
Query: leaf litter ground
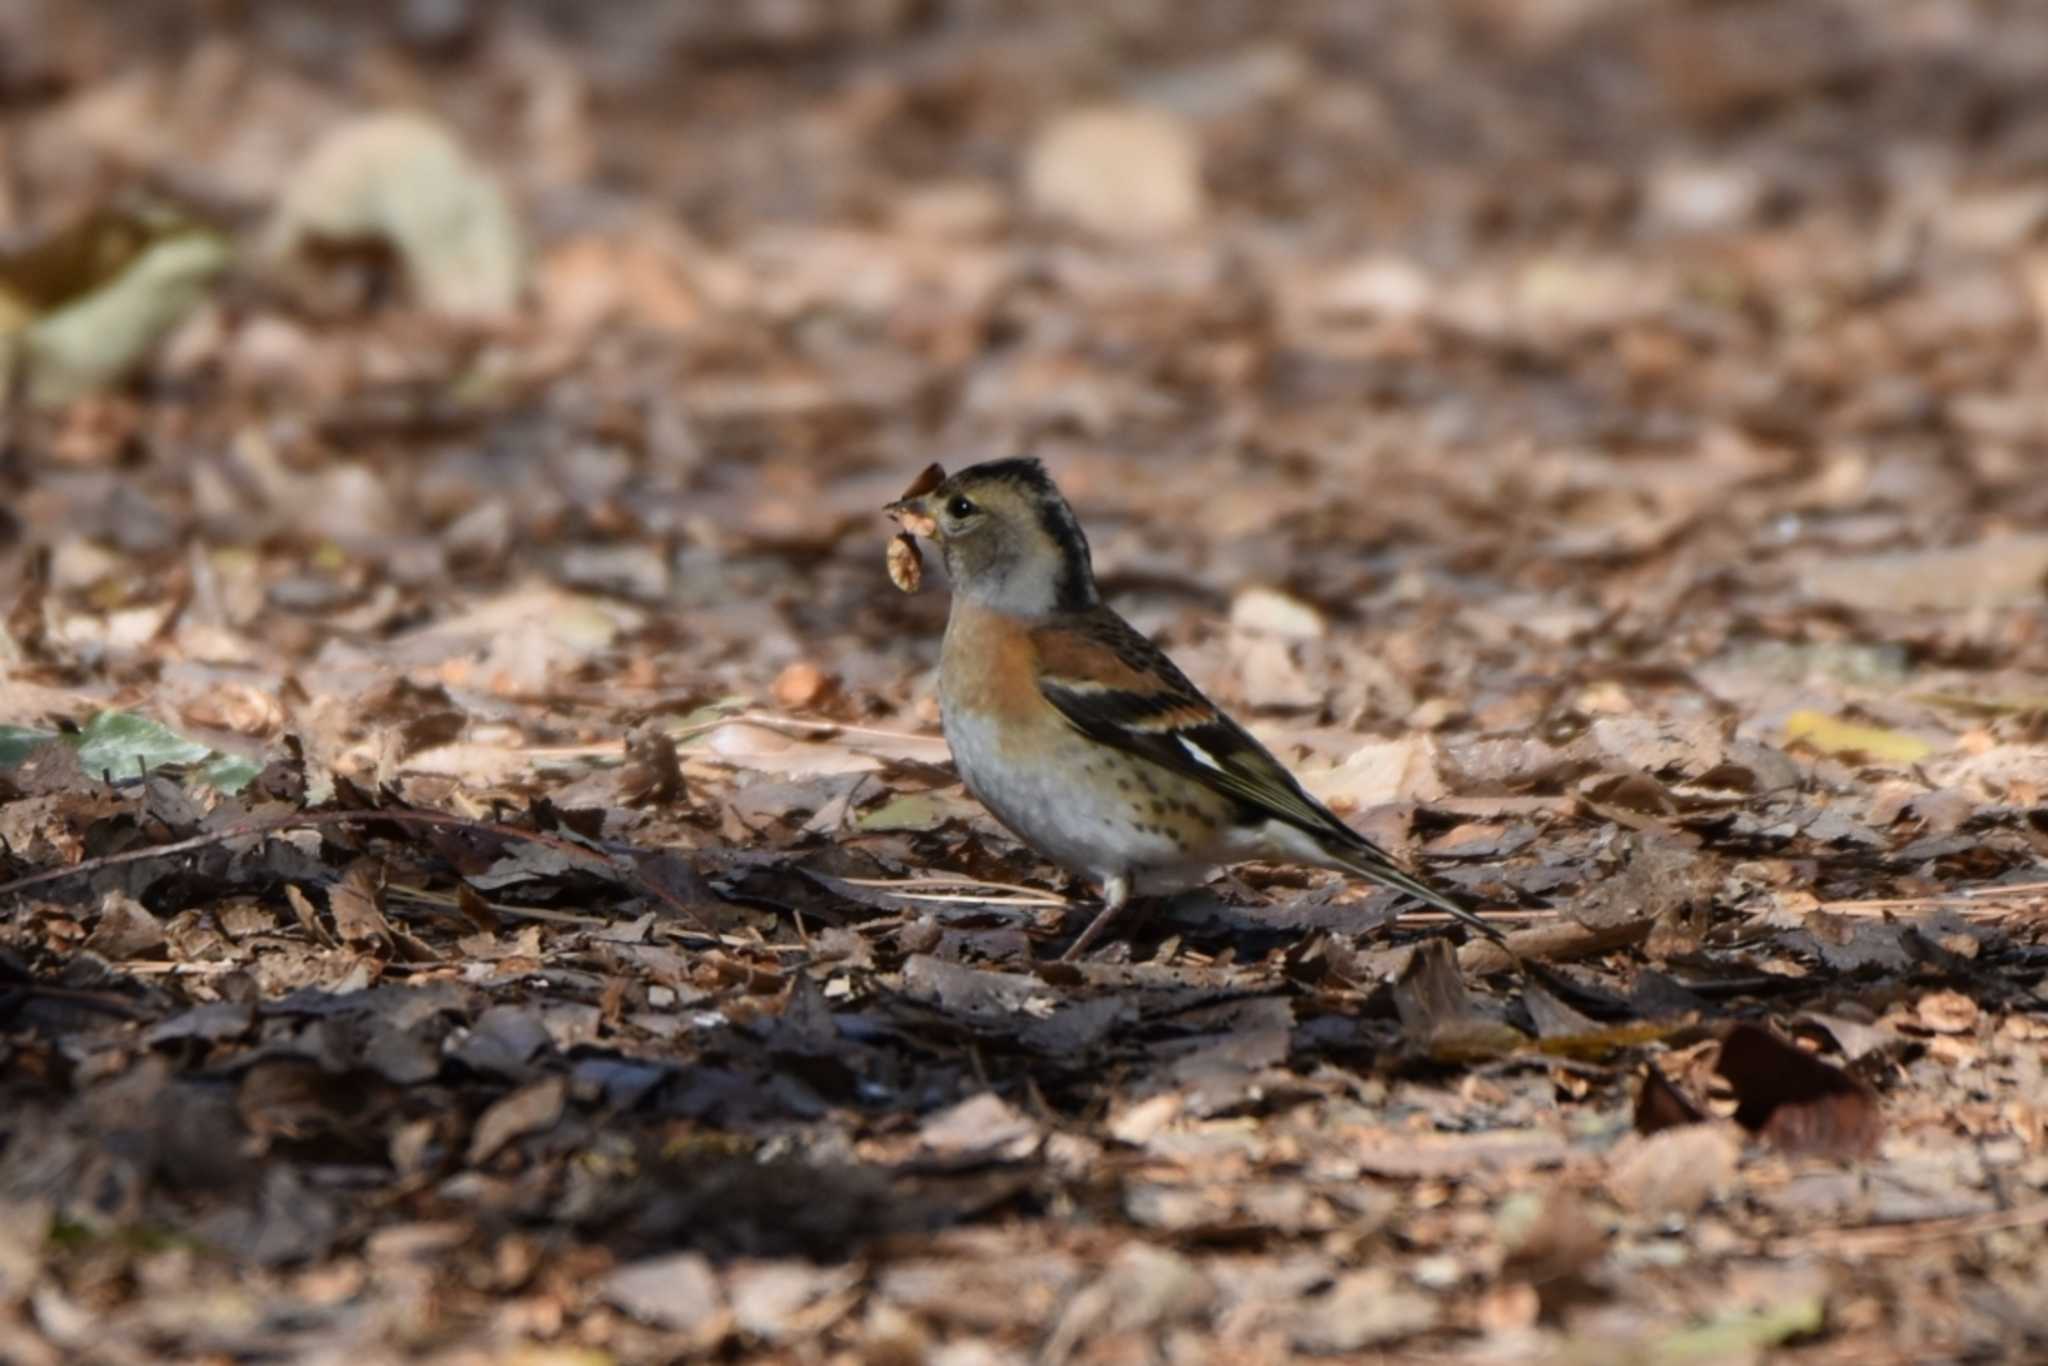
481,879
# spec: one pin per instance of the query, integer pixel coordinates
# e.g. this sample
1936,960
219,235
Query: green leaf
918,811
92,342
230,772
1740,1335
124,745
18,742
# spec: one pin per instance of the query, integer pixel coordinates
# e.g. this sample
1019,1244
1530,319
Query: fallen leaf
1439,1018
1831,735
402,178
126,929
1270,676
774,1301
983,1126
803,685
1996,570
1377,773
1673,1171
357,904
1796,1102
1122,172
1143,1289
1946,1012
84,321
1268,611
528,1110
125,745
913,811
1740,1337
1660,1105
1362,1309
679,1292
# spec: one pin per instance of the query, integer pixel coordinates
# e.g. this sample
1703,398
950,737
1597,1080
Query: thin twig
1921,903
423,897
1556,943
1905,1237
1872,910
2007,889
771,719
160,967
610,749
967,899
1532,914
900,888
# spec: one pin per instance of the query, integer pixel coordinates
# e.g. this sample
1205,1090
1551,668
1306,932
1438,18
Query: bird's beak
913,510
914,516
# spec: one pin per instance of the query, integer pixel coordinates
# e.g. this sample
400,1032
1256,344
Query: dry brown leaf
1796,1102
529,1110
1674,1171
357,904
803,685
1119,171
1660,1105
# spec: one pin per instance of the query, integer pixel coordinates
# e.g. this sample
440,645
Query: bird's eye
961,507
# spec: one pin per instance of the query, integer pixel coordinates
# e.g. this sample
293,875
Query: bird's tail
1371,864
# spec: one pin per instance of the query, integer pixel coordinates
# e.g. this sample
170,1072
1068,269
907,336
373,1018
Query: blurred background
1638,327
1599,444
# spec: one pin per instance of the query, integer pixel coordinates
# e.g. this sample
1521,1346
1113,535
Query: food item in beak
915,520
906,564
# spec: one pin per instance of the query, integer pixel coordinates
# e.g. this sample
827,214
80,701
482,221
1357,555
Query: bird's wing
1115,686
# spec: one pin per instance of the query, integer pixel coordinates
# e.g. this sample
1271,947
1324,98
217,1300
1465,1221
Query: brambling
1080,735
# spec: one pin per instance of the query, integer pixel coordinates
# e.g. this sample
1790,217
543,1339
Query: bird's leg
1115,892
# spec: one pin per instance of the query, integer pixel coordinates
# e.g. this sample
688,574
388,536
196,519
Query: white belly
1061,808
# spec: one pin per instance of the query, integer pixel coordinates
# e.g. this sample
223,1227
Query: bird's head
1008,538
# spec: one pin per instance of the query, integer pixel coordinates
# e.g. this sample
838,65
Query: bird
1081,736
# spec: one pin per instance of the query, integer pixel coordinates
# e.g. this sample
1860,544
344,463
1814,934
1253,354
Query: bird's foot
1116,893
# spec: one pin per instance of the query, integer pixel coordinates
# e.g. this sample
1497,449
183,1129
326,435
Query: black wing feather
1243,768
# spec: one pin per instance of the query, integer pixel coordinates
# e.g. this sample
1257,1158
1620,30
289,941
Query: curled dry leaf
1796,1102
1661,1105
357,904
1947,1012
1439,1016
126,929
804,684
404,179
906,564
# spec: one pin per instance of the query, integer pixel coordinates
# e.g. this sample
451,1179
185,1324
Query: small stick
1552,943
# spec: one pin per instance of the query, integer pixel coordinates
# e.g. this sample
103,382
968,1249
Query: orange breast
990,667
